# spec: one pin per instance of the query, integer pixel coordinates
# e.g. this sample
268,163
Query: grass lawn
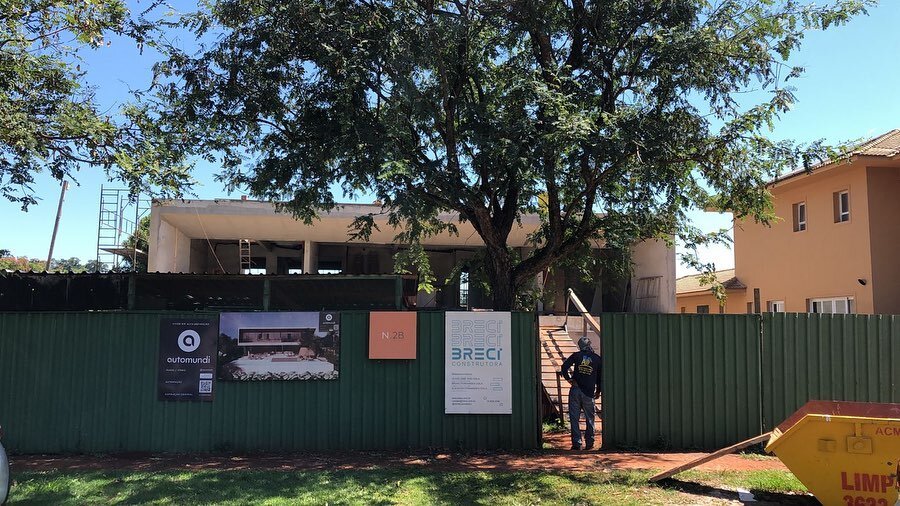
392,486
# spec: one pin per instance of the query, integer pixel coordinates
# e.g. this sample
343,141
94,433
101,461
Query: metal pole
62,195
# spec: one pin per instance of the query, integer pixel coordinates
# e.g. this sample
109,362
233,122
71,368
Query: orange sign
392,335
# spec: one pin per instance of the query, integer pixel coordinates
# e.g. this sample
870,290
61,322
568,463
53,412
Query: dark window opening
257,266
841,206
290,265
330,267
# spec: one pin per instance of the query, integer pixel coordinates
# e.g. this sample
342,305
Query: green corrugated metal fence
680,381
829,357
708,381
86,382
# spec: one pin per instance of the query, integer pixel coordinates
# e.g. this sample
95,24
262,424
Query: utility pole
62,195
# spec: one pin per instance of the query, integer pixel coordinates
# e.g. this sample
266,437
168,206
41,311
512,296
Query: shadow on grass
361,486
373,486
762,497
369,486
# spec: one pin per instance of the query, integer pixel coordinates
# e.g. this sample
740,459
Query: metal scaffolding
120,214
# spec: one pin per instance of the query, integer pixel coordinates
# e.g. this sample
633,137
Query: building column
310,257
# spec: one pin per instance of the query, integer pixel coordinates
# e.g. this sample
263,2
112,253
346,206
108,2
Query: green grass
378,486
764,481
554,427
761,457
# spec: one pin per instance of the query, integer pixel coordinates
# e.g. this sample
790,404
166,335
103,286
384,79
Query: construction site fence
87,383
31,291
685,382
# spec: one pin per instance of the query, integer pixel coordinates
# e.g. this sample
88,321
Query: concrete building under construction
251,237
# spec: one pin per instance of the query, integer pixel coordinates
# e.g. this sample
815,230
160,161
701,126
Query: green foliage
611,120
72,264
49,118
9,262
139,240
95,266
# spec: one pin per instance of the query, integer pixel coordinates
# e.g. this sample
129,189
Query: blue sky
848,92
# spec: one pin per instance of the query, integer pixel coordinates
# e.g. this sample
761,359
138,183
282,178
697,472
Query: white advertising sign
477,365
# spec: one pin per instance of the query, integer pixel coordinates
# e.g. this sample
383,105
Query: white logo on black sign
189,341
329,317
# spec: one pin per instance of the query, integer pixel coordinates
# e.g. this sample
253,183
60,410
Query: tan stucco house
227,236
836,247
693,296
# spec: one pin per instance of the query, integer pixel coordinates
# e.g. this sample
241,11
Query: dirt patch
555,458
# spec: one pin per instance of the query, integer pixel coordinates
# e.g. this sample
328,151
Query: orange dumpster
846,453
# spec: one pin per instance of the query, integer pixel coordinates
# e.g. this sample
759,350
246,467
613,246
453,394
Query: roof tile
690,284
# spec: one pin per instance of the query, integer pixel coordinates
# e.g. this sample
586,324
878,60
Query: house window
841,206
775,306
799,216
703,309
464,289
683,310
749,308
831,305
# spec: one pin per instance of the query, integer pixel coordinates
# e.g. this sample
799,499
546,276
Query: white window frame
801,221
776,306
820,304
843,214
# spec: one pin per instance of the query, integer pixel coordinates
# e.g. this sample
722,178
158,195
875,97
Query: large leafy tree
50,119
611,119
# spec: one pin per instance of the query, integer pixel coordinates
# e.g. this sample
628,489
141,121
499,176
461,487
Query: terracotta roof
691,284
885,145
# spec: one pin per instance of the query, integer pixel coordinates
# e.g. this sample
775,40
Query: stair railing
586,317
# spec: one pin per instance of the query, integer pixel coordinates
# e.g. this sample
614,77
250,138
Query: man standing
585,381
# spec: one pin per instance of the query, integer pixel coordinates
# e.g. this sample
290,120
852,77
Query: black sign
329,320
187,358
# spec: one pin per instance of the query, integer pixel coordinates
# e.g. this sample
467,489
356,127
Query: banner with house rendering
279,346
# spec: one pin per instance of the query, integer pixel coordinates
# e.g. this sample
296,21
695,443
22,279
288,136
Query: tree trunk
500,275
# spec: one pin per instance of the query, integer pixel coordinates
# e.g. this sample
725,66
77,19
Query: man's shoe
588,446
576,448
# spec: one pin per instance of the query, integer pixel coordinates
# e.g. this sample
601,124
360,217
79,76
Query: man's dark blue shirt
586,373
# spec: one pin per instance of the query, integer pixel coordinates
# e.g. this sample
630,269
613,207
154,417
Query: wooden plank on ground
712,456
